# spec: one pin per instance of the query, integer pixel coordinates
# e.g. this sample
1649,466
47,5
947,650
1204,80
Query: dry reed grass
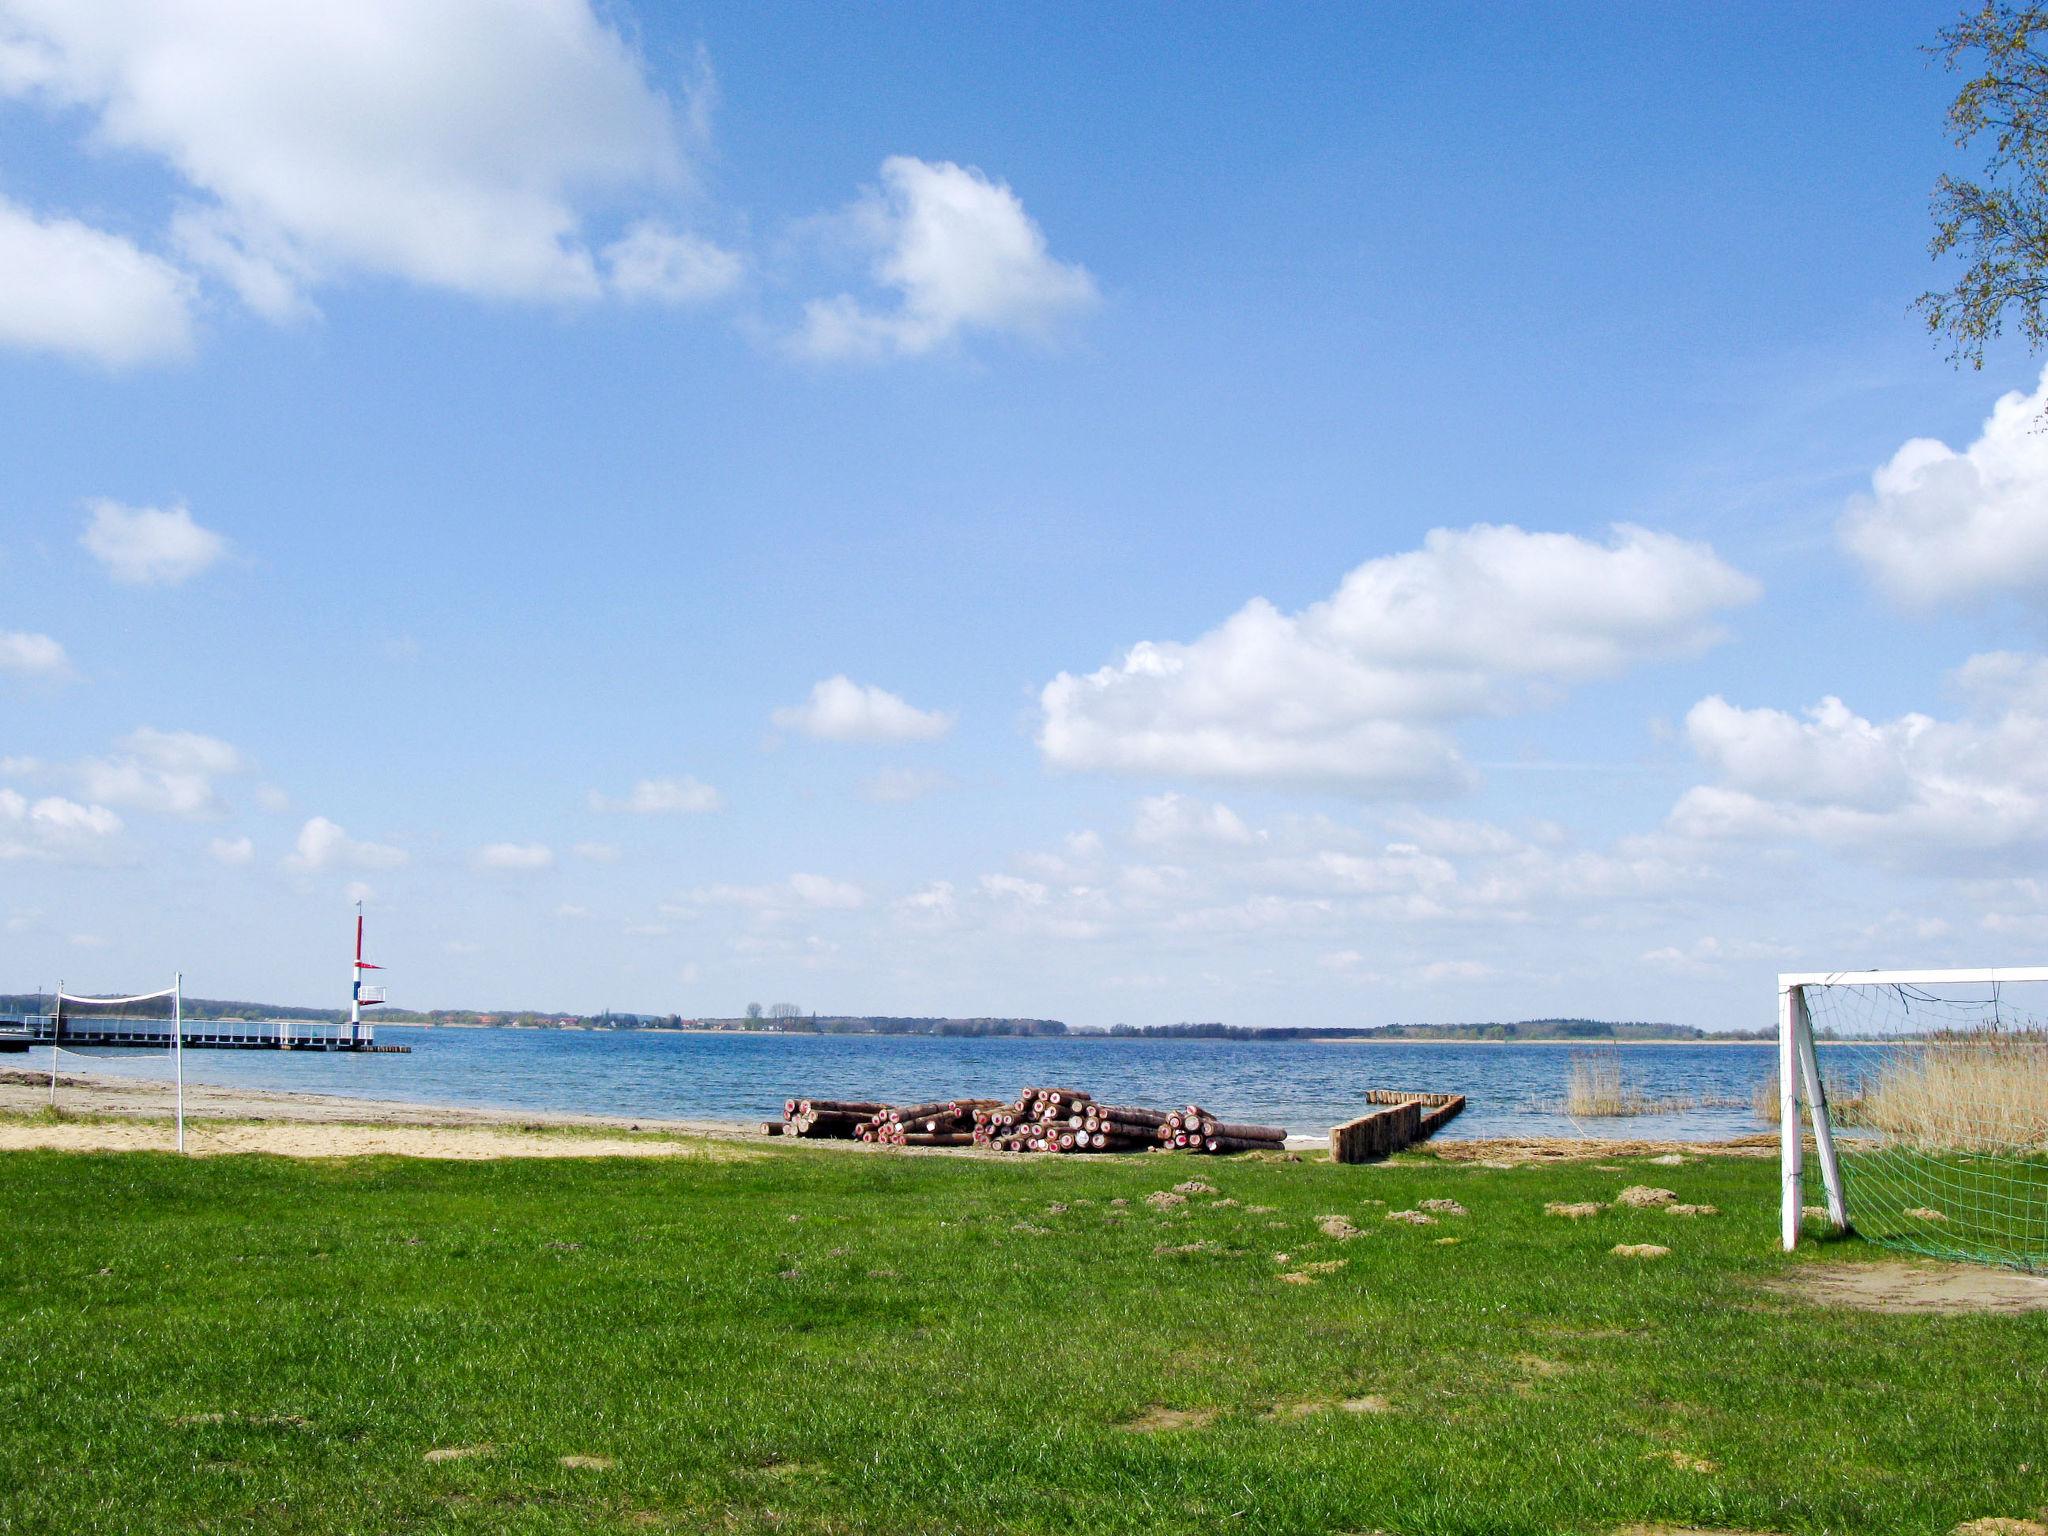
1599,1089
1980,1091
1986,1091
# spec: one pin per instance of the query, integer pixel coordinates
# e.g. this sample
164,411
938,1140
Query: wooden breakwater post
1401,1119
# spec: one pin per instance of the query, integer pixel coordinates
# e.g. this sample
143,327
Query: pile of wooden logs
1046,1120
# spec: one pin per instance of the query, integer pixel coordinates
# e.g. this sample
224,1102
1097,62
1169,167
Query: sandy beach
110,1114
101,1113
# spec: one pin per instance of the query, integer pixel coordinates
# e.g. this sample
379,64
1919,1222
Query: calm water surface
1304,1086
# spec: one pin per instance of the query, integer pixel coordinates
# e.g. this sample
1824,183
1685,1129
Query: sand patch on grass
1339,1227
1513,1152
1159,1419
1897,1286
457,1452
1574,1210
1685,1461
588,1463
1681,1530
1640,1251
2001,1525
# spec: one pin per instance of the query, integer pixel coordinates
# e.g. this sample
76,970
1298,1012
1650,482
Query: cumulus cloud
51,828
231,850
451,143
661,797
1897,787
149,546
83,293
324,845
515,856
1357,691
799,891
839,709
1944,526
901,786
29,655
169,773
957,253
1170,819
597,853
666,266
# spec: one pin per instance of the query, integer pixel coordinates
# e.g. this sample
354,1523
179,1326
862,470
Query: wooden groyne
1403,1118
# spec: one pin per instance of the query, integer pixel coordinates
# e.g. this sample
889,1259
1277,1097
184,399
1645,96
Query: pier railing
247,1034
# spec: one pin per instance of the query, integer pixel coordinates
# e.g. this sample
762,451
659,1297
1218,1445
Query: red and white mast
357,999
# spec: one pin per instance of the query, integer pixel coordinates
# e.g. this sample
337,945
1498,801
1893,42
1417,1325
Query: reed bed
1986,1091
1599,1089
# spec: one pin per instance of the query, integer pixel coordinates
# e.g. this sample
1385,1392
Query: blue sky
1323,517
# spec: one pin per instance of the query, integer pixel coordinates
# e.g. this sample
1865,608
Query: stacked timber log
826,1119
1038,1120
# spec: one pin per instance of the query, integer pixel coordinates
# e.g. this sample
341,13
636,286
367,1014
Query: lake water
1302,1085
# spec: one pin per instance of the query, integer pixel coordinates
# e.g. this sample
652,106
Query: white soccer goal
1927,1096
146,1024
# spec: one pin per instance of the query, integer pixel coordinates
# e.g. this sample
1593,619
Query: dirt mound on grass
1159,1418
1511,1152
1896,1286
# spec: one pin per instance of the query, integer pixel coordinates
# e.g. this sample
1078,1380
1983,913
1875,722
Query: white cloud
900,786
51,828
823,891
664,266
149,546
324,845
1356,691
571,910
800,891
170,773
1173,819
28,655
1942,526
839,709
521,856
450,143
659,797
958,253
1898,788
596,853
83,293
231,850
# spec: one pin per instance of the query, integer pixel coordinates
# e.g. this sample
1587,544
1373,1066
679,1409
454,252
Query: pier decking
198,1035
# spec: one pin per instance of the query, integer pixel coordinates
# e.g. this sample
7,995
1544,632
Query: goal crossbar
1994,976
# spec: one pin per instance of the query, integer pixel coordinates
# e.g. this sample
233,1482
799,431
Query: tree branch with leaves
1999,224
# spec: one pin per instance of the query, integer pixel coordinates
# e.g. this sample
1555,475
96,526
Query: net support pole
1817,1108
178,1048
1791,1193
56,1034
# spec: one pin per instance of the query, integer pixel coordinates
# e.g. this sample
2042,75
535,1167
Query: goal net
1932,1089
147,1024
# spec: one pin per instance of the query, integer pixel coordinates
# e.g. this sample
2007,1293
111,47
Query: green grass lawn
819,1341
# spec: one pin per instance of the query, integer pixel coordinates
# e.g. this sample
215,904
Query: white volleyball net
1936,1090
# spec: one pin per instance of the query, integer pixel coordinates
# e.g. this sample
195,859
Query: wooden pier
86,1034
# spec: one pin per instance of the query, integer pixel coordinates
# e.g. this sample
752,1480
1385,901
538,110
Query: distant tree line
1594,1030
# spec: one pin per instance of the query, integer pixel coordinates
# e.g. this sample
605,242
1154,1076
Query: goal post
141,1024
1926,1094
